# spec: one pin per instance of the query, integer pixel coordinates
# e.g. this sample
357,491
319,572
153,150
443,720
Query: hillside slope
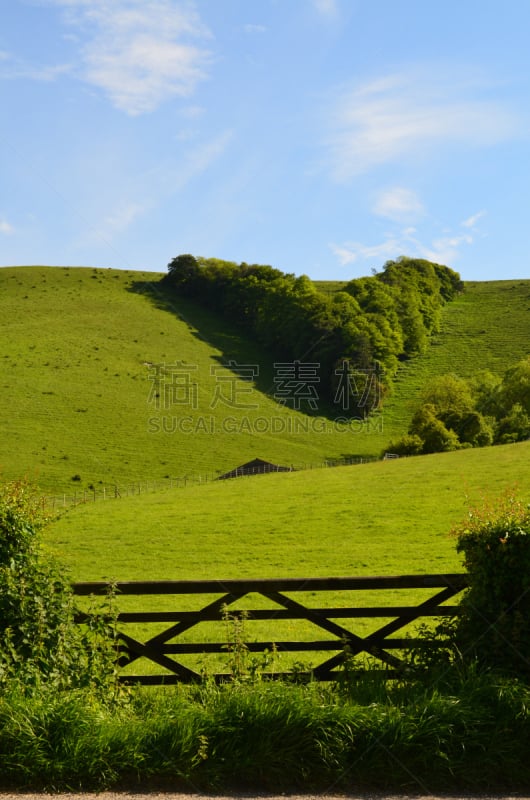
388,517
86,351
106,383
487,327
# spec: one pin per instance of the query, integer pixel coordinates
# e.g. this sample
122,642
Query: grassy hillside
384,518
388,517
80,355
487,327
85,350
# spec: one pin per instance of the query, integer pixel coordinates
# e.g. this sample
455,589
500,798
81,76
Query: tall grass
469,733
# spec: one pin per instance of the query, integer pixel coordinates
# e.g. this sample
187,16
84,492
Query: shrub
431,430
408,445
40,641
494,626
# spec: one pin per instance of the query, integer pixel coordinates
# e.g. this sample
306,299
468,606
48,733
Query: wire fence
93,494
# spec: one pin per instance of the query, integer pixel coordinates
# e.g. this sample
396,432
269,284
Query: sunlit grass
78,405
80,348
385,518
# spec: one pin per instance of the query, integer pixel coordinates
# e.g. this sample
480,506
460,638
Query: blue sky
322,137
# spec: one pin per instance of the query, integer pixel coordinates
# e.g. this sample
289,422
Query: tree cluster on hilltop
368,327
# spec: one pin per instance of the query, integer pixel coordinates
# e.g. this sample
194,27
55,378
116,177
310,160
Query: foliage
40,641
515,386
463,732
21,516
514,427
435,436
409,445
373,322
244,667
457,413
494,625
183,269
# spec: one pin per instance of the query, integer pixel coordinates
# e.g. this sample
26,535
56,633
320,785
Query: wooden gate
164,648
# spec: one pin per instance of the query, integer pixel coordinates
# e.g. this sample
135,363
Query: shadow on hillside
232,345
212,329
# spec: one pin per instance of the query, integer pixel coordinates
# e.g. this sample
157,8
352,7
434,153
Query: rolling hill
387,517
108,381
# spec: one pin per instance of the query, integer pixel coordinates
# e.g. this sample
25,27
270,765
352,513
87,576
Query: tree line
367,328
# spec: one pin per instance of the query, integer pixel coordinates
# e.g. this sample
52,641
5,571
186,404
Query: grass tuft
463,733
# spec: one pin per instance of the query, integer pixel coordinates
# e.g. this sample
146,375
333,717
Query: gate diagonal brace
174,631
143,650
355,642
369,643
414,613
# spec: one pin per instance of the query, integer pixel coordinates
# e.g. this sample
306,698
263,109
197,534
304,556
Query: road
250,796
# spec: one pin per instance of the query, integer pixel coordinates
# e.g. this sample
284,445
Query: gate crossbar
377,644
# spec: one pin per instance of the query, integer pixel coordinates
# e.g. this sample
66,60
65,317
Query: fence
97,493
164,648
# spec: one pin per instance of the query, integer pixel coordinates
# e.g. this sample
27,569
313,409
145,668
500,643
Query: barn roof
255,467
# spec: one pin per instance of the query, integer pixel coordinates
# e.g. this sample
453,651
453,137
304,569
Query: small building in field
255,467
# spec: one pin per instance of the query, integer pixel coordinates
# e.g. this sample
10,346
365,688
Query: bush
409,445
40,641
494,626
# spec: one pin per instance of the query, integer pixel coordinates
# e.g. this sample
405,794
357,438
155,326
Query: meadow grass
380,518
81,346
78,401
383,518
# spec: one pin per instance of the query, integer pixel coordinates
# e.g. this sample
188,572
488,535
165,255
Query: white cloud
398,204
138,51
327,8
6,228
470,222
404,114
445,250
346,254
116,219
122,218
192,112
442,250
13,68
250,28
199,159
355,251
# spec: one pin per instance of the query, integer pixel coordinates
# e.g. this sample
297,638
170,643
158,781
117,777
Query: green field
385,518
388,517
84,350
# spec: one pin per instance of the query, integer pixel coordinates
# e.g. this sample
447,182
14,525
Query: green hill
86,352
487,327
387,517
